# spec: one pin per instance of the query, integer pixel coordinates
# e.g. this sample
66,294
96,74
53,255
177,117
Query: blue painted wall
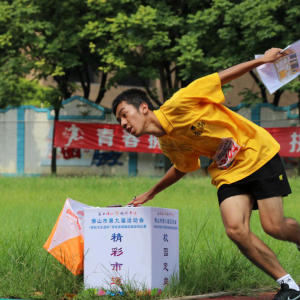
20,140
255,114
132,166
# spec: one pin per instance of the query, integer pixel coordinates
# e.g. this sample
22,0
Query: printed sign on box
130,244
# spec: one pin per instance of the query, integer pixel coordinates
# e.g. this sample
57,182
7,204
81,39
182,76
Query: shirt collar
167,126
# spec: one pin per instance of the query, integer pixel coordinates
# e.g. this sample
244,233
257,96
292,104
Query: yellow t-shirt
195,122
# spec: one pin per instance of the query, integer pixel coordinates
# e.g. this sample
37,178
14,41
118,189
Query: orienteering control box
139,245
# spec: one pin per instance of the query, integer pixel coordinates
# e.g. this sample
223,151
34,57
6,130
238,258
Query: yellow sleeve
186,100
205,89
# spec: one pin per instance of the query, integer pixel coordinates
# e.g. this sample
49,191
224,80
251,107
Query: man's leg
236,212
275,224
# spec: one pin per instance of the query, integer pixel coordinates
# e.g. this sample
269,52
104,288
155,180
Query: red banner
102,136
289,140
113,137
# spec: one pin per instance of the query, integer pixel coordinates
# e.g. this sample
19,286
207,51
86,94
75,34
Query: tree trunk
163,82
261,86
169,77
85,88
64,88
53,159
177,80
152,96
88,82
102,89
62,82
63,85
277,96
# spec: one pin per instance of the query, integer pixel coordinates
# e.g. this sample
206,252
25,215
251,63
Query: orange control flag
66,242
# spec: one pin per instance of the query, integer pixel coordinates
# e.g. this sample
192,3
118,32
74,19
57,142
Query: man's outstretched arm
241,69
169,178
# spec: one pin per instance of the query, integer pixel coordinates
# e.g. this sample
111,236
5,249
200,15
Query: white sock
287,279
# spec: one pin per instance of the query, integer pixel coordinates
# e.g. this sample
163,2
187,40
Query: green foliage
44,35
251,98
16,90
175,41
293,86
13,61
152,40
172,41
137,37
37,94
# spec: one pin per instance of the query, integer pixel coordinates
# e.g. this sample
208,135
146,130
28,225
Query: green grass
209,261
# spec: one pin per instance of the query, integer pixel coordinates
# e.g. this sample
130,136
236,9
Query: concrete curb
220,294
204,296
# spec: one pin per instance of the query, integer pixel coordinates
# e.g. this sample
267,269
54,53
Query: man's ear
144,109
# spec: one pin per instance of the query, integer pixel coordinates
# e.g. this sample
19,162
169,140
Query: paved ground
264,296
224,296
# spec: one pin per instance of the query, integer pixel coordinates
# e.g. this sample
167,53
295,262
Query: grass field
209,261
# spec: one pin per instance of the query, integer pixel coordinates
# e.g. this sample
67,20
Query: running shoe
286,293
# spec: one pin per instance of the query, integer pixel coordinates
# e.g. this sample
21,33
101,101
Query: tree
172,41
13,63
49,43
97,37
251,27
145,41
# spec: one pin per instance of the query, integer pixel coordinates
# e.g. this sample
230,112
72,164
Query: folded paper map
277,74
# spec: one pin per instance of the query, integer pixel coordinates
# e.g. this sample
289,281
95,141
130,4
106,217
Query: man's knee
274,230
278,229
238,233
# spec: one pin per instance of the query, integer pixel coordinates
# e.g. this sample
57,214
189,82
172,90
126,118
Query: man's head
131,109
135,97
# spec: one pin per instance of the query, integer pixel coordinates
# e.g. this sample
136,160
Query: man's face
131,119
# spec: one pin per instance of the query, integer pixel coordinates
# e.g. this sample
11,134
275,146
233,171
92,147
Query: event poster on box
139,245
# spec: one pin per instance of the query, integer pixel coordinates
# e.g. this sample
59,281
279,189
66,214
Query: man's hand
141,199
272,55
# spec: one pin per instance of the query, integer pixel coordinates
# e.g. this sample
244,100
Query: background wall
26,141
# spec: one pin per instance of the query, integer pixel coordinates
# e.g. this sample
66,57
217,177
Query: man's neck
153,126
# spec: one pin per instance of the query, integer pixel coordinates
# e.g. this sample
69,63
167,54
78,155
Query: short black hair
134,97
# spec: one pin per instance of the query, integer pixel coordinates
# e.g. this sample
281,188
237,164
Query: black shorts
267,182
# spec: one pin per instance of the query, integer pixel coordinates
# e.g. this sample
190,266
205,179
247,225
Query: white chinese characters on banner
153,142
75,134
130,140
105,136
295,143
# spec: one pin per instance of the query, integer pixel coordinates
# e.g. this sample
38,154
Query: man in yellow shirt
246,168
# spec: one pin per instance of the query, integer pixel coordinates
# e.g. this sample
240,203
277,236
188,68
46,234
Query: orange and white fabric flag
66,241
